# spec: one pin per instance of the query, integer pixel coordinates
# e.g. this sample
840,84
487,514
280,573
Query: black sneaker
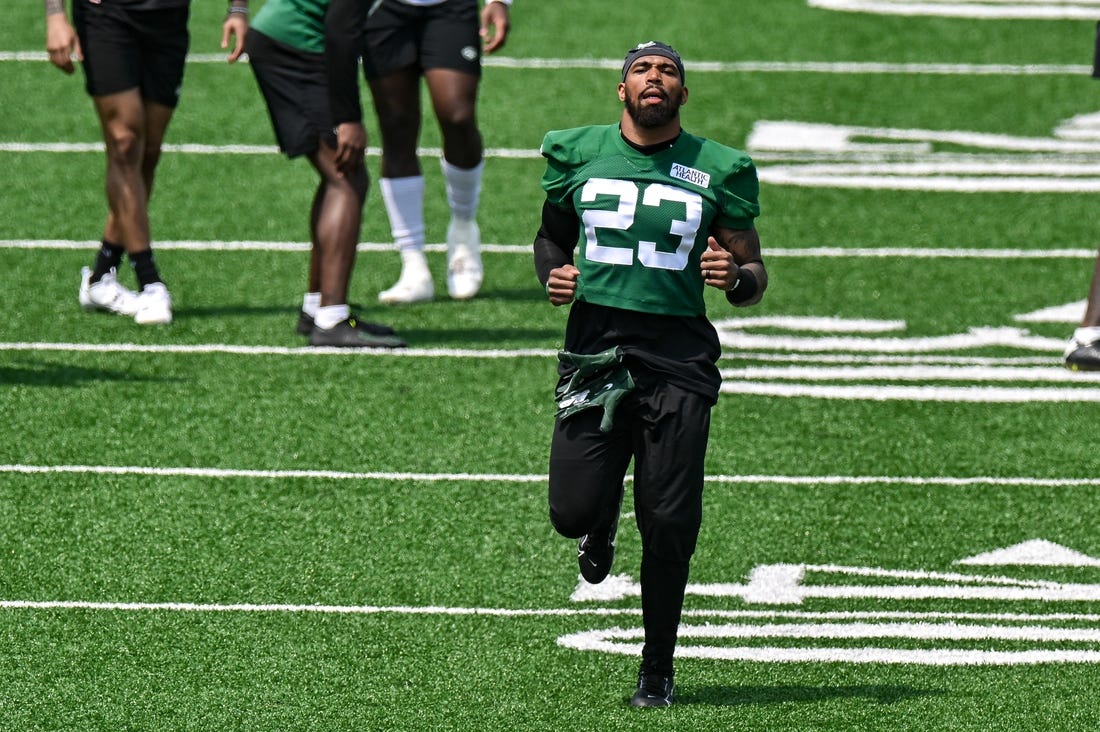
351,333
1083,356
595,555
654,690
305,326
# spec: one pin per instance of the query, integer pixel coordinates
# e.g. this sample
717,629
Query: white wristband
506,2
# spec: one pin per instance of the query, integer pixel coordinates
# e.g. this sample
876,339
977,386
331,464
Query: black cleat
353,333
305,323
1083,356
595,555
596,551
305,326
654,690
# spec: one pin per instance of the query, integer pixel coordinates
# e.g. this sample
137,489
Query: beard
652,115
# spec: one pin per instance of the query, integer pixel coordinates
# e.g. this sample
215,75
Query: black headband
653,48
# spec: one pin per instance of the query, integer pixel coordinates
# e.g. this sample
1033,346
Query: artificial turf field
209,526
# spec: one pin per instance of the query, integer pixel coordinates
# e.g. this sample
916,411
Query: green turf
311,541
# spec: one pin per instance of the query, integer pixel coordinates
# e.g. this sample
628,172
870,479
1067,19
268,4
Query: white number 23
623,217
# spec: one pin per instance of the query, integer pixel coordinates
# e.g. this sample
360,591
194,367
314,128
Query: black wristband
744,289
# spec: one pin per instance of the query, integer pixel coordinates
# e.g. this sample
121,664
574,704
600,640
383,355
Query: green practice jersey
297,23
645,219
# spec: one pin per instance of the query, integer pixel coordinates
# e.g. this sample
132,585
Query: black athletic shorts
443,36
295,86
133,49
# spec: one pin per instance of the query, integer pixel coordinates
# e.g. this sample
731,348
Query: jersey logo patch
691,175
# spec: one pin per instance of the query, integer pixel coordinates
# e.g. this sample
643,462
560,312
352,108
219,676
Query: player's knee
458,120
671,538
124,147
570,525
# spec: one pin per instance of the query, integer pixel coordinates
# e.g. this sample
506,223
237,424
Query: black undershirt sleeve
556,240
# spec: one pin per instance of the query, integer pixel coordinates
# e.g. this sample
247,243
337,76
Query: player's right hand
561,288
62,43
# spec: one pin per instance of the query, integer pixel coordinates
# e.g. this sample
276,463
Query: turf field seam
811,252
458,611
195,148
778,67
240,350
1041,367
388,476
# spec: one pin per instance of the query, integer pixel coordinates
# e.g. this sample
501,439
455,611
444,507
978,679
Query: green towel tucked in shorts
600,380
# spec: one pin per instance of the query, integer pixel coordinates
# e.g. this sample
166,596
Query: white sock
1085,335
463,189
330,315
310,303
404,199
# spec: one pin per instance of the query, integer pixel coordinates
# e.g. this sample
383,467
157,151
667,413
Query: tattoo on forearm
53,7
744,244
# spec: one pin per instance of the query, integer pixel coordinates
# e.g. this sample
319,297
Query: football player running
638,217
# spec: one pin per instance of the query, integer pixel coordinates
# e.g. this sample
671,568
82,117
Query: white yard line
211,348
397,477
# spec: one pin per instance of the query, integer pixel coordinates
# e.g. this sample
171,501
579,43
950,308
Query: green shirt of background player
638,218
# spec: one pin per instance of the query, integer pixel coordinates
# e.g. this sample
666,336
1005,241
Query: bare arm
235,27
62,43
733,262
494,25
344,21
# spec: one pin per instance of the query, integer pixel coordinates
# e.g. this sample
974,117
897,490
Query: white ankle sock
1087,334
330,315
310,302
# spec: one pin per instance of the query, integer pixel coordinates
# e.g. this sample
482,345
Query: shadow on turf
417,337
237,309
62,375
732,696
423,337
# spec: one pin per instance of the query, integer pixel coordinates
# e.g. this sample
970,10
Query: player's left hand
351,145
494,26
719,269
235,26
